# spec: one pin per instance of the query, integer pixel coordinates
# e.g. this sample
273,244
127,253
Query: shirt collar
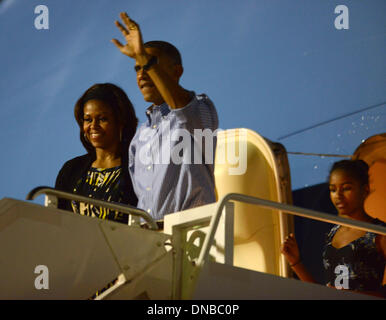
164,109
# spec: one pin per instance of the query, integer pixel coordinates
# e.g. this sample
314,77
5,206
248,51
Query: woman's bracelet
296,263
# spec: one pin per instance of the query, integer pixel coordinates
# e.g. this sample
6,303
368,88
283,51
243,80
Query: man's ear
178,71
366,190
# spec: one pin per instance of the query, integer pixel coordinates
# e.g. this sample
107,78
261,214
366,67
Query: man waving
171,166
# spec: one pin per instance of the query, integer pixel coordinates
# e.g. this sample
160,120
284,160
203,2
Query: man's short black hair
166,48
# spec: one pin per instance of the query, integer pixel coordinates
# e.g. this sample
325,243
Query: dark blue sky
277,67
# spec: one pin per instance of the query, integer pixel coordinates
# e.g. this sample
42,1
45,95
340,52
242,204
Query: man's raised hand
134,47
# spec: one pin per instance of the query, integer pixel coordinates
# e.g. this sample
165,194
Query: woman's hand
290,250
134,47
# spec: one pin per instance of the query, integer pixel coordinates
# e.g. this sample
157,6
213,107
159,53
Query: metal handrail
306,213
109,205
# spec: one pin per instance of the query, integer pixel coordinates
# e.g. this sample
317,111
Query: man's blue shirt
170,163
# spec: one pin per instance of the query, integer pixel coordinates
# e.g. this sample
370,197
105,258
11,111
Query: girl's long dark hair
358,169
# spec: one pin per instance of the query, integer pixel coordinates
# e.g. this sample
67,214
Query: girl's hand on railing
290,250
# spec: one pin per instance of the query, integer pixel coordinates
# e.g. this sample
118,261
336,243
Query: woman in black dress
359,254
107,123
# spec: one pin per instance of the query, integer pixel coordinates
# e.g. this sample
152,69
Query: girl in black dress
361,254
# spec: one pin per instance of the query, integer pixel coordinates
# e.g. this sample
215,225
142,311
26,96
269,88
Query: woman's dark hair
358,169
119,103
124,113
